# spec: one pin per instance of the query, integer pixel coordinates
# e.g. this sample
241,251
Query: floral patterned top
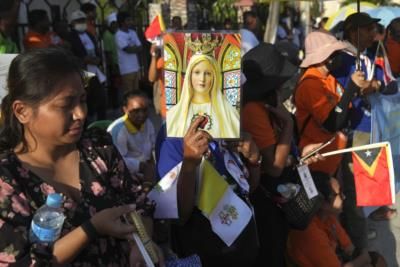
105,182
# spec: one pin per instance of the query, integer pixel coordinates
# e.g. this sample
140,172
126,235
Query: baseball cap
111,18
359,19
77,14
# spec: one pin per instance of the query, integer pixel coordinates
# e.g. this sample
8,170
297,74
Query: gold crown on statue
203,45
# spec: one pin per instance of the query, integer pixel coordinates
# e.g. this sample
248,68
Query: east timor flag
373,175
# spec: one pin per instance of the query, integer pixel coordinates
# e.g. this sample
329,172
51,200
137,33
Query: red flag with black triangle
374,175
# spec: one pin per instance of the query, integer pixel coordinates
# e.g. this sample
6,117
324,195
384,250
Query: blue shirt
360,114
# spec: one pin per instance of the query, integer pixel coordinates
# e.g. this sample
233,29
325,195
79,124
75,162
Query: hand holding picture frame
210,70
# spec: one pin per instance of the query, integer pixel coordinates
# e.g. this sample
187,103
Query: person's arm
153,72
363,260
248,148
274,157
134,48
106,223
337,117
195,144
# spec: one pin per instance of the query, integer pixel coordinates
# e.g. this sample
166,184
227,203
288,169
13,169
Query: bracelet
90,230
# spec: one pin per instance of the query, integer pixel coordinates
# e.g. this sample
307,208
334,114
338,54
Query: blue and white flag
386,126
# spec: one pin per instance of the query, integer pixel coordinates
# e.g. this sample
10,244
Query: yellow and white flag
228,213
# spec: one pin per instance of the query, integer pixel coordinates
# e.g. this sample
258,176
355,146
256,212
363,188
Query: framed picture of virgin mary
202,78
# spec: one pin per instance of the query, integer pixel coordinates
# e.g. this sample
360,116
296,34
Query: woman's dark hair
36,16
390,28
32,78
323,184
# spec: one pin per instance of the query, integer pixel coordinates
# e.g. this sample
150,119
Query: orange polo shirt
316,245
256,121
393,52
316,95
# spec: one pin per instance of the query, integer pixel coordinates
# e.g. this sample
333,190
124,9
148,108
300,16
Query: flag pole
352,149
358,39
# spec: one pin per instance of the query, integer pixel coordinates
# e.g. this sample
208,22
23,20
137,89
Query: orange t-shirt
160,70
393,52
256,121
91,27
37,40
316,245
316,95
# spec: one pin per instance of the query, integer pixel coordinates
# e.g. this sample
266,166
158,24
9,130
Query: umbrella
385,13
345,11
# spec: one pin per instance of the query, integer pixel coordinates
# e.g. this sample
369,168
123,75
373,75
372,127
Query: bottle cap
282,188
54,200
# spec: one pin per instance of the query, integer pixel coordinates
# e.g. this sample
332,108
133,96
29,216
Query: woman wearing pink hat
322,104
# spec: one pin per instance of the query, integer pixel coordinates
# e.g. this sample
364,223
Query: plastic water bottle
288,190
48,221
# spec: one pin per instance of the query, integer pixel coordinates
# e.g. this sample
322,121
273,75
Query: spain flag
374,175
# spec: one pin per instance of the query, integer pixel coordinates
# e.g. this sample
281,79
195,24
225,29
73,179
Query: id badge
307,180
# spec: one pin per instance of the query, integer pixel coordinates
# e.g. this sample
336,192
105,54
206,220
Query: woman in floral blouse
44,151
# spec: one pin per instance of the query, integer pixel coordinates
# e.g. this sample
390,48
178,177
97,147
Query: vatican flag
228,213
164,194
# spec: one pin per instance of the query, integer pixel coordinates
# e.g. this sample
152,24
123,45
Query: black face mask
335,61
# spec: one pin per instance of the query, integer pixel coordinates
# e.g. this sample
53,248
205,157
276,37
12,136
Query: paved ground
387,241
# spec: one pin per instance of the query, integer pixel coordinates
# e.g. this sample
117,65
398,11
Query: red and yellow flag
373,175
155,29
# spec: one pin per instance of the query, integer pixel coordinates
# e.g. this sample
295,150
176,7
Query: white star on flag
368,153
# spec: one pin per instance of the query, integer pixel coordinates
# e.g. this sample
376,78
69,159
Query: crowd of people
105,173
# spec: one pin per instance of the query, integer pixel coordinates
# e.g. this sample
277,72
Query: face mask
80,27
334,62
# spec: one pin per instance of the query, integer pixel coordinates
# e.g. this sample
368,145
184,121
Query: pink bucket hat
319,46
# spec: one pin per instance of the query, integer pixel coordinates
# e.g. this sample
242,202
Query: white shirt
91,51
128,63
134,148
249,40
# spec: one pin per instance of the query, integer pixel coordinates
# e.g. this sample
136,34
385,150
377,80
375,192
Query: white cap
111,18
77,14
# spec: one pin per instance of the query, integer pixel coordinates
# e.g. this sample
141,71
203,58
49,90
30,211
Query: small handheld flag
155,29
373,173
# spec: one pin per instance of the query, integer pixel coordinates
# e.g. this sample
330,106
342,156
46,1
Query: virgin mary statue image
202,96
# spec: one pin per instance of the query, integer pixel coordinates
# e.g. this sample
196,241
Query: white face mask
81,27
